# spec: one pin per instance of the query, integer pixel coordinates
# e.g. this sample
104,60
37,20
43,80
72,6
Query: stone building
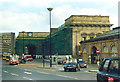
86,27
108,44
30,42
65,39
8,43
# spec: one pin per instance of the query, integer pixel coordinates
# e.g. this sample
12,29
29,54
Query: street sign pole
98,53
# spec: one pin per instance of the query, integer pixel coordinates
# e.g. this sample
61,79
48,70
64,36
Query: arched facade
107,44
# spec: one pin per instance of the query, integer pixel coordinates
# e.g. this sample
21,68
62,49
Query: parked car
82,64
28,57
59,60
66,61
4,57
71,67
13,60
109,70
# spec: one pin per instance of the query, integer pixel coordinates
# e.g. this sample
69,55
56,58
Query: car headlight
85,64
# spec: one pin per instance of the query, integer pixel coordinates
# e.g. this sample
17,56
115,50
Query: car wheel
64,70
85,66
75,70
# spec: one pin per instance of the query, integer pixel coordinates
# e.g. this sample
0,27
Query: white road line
43,72
28,73
14,74
76,78
27,78
5,71
67,76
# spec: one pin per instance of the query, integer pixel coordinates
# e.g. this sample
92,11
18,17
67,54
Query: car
82,64
3,57
13,60
28,57
66,61
109,70
71,67
7,58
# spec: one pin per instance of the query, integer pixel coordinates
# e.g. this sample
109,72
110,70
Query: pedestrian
22,59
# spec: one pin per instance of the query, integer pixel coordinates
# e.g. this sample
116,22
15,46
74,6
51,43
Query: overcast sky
33,16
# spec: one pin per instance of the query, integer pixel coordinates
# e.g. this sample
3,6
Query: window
91,37
105,49
105,66
114,65
84,50
83,38
114,49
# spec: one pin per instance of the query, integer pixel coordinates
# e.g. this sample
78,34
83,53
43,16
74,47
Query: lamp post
50,9
23,41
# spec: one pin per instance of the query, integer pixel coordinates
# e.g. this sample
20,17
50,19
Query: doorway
94,55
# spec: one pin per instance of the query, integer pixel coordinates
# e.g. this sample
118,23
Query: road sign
56,56
97,51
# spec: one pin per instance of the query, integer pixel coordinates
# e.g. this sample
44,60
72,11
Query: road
24,72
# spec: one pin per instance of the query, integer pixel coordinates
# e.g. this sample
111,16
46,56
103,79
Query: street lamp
23,40
50,9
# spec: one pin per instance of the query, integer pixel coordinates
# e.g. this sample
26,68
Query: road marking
5,71
28,73
52,70
90,72
43,72
27,78
67,76
15,65
14,74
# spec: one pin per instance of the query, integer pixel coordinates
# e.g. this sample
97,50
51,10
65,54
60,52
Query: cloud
31,15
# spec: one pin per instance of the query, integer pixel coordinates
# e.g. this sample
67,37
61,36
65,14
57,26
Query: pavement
92,67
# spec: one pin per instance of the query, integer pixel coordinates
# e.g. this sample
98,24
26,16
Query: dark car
82,64
71,67
109,70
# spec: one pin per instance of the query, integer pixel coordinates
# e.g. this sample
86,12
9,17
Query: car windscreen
70,64
81,61
7,56
13,58
28,56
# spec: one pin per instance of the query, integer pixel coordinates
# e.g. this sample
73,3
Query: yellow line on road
90,72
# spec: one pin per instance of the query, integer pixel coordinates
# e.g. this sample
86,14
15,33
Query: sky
33,16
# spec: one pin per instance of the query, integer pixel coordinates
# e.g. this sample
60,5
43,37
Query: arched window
105,49
114,49
84,50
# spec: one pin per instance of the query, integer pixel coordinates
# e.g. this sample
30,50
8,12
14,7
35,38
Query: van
109,70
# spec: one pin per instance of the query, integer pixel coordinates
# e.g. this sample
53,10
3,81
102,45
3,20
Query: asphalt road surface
23,72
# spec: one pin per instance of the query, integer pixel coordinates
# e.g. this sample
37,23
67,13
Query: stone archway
31,49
